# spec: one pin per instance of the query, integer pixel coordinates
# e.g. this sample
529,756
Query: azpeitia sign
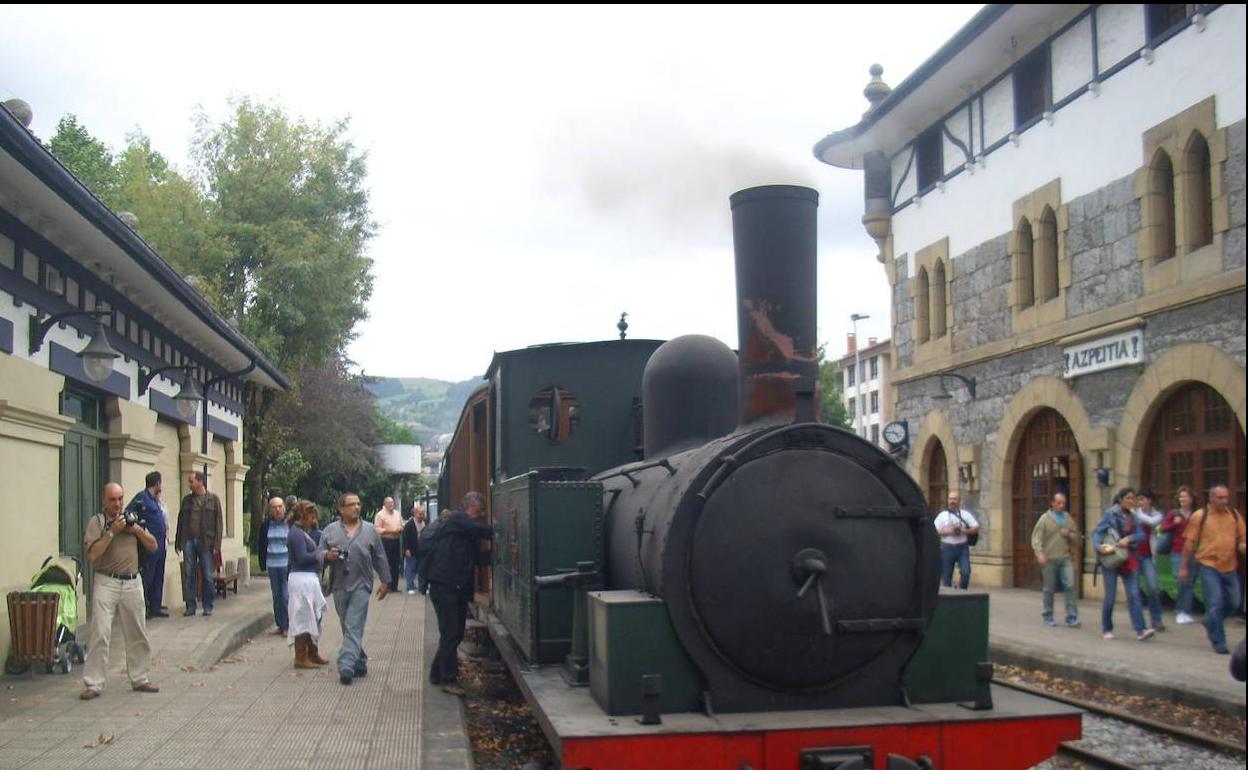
1125,349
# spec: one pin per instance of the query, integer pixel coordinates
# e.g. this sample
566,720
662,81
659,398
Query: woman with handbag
306,604
1116,537
1174,525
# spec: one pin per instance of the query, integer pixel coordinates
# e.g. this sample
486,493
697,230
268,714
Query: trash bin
32,627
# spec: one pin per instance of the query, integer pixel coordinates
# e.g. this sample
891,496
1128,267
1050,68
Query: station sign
1098,355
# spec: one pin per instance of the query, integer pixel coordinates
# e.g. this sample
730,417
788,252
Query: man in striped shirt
272,550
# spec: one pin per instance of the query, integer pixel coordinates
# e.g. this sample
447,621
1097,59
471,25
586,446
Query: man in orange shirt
389,524
1214,536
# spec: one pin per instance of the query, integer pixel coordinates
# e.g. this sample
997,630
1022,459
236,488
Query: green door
84,470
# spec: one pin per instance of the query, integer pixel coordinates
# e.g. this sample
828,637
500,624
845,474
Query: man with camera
354,551
200,524
113,539
955,527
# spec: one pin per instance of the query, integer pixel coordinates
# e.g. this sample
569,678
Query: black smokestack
773,230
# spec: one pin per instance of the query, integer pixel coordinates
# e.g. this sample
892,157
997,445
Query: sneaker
1073,623
207,613
1159,627
1049,622
1145,635
1107,635
1183,619
344,676
187,613
453,689
1218,648
411,592
89,694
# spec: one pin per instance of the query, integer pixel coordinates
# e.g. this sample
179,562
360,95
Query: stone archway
1180,366
1038,394
936,428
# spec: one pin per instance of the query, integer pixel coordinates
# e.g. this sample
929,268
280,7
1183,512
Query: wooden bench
226,579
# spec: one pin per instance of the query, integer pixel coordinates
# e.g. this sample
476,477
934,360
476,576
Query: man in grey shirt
353,550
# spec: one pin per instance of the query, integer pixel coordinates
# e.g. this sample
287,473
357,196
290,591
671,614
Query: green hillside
425,405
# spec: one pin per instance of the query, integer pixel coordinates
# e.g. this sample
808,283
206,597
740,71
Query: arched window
1023,247
1160,202
921,313
937,478
1046,256
1197,194
938,299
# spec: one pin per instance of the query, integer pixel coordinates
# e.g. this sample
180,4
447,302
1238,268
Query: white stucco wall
1092,141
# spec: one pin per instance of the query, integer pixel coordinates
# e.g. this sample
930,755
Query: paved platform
1177,663
250,709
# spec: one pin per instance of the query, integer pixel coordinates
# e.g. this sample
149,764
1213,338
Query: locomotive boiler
689,571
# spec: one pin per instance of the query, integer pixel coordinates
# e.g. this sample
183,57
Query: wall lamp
97,357
969,383
187,399
966,474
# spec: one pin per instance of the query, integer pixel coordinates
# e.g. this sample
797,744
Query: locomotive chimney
773,231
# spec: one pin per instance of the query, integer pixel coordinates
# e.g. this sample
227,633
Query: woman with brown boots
306,604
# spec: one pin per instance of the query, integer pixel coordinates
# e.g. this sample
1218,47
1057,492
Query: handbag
971,539
1115,558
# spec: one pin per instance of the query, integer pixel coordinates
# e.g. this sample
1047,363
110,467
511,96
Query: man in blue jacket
448,567
152,518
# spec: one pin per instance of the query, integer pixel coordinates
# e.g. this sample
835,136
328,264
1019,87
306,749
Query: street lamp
188,397
97,357
855,318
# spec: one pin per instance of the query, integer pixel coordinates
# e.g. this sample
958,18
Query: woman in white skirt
306,604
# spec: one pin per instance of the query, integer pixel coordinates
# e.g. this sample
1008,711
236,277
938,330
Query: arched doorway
1194,441
937,478
1047,462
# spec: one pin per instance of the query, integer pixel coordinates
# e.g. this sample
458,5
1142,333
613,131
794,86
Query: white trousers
120,600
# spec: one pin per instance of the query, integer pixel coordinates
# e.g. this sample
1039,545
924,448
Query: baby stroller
61,575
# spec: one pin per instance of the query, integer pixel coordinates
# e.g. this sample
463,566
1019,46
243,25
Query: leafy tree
290,204
831,406
87,157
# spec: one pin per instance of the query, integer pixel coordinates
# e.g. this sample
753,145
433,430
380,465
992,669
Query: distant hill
427,406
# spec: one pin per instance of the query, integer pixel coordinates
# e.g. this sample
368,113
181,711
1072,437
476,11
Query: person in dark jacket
155,521
411,550
448,566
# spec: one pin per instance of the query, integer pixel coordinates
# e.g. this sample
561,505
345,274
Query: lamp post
854,319
97,357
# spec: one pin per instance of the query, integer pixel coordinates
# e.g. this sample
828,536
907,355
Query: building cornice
33,425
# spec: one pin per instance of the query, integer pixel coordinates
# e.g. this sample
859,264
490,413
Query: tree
290,205
831,405
87,157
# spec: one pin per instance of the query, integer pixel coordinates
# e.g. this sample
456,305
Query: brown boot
314,654
301,651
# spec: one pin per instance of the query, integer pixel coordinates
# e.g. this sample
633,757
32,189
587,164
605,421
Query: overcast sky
535,171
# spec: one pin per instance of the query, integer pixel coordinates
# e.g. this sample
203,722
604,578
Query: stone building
1058,199
867,390
72,269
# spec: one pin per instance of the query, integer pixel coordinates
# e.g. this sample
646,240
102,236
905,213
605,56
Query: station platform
1177,664
231,698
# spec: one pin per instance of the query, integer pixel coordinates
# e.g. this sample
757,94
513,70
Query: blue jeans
961,554
1187,589
1148,571
410,565
198,557
277,584
1221,599
1053,571
154,577
352,607
1134,608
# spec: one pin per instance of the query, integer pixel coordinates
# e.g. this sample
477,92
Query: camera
131,515
342,554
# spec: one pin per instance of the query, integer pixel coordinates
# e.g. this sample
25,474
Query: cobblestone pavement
253,709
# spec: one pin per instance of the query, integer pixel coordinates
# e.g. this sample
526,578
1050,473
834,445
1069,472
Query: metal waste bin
32,627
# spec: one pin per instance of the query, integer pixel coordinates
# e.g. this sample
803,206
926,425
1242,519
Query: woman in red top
1175,523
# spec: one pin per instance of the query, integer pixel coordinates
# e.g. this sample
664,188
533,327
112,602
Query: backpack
425,541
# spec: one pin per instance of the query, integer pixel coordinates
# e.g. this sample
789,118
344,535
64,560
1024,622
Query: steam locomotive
689,571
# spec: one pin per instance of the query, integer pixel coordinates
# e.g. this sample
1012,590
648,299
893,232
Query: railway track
1108,751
